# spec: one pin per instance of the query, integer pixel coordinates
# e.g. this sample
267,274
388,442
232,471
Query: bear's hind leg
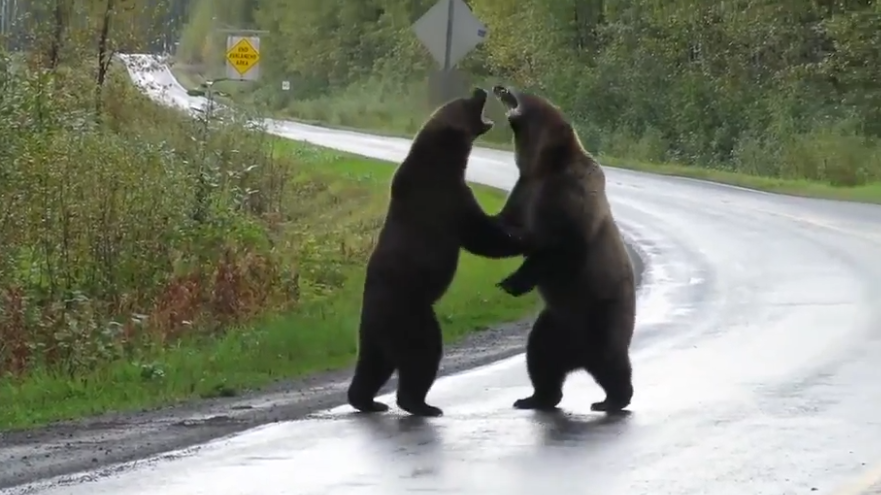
372,371
608,358
548,361
613,373
419,358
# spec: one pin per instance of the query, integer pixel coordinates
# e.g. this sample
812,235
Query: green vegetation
325,226
779,96
146,257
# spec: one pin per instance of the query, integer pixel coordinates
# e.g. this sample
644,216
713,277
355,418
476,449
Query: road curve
757,363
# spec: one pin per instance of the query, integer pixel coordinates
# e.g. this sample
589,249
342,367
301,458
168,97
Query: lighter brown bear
577,259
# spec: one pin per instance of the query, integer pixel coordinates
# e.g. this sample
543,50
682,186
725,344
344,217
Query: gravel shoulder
90,444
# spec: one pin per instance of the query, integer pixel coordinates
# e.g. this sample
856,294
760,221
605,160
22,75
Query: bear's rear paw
609,406
537,403
369,406
422,409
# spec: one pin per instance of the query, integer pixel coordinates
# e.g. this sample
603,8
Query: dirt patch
69,447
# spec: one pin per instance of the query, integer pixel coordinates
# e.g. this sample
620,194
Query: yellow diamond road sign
243,56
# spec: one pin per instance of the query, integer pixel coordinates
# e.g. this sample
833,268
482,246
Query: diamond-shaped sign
243,56
466,31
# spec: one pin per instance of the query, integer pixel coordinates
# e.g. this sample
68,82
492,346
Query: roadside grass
393,115
335,197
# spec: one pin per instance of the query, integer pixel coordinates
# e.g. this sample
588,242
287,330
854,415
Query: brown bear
431,215
577,260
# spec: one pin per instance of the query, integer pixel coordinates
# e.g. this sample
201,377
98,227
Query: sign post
243,58
449,31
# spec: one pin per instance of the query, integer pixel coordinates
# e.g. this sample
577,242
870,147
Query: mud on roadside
69,447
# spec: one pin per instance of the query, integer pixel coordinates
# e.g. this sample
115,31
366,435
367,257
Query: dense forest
784,89
131,25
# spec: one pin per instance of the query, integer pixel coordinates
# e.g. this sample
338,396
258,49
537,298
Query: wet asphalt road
757,363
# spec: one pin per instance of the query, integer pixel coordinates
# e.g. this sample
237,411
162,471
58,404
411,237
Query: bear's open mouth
484,118
506,97
480,94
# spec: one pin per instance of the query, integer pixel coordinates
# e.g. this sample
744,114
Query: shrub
128,227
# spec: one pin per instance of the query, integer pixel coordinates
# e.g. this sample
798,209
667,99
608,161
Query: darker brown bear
578,259
432,214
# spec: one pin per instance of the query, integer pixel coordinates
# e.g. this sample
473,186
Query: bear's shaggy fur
432,214
577,259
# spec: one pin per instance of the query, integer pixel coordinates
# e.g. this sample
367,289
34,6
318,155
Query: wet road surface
757,368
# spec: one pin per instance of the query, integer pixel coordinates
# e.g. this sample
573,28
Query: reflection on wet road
757,365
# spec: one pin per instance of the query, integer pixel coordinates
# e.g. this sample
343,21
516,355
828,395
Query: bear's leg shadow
609,362
372,371
419,354
549,358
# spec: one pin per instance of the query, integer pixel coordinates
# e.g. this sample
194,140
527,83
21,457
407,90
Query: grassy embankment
361,108
140,267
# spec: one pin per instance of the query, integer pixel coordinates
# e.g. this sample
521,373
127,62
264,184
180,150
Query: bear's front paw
515,286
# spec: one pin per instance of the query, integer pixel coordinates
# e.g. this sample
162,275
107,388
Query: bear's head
462,115
540,129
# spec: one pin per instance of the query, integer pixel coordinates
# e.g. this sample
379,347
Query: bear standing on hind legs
578,260
432,214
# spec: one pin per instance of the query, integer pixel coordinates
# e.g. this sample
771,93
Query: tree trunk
57,36
104,56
